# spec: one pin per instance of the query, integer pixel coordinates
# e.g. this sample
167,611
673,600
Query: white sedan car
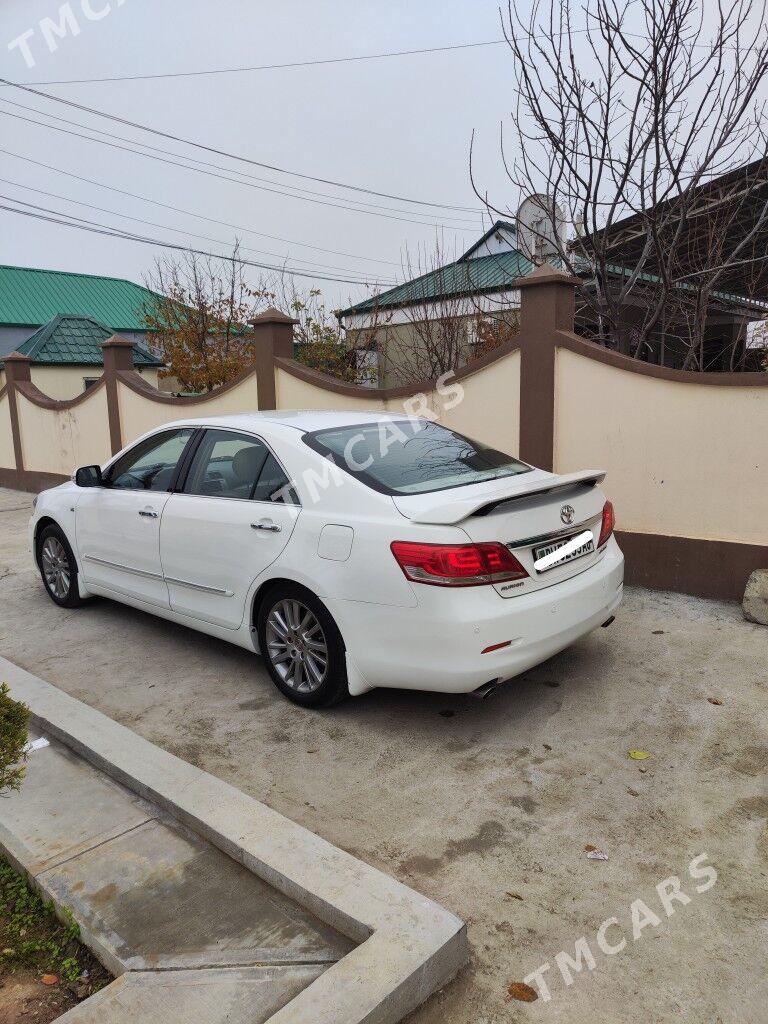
350,550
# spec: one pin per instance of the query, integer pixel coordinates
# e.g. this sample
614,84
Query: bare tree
321,343
642,125
440,324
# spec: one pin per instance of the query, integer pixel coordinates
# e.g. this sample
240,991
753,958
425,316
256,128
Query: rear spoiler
447,512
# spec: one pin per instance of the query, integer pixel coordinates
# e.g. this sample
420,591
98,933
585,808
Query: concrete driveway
478,803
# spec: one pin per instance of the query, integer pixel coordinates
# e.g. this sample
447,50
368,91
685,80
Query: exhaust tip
486,689
607,622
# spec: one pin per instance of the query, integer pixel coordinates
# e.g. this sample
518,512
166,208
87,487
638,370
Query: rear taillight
457,565
609,521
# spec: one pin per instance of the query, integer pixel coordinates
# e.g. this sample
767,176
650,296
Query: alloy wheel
56,570
296,646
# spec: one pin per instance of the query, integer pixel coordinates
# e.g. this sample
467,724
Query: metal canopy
724,210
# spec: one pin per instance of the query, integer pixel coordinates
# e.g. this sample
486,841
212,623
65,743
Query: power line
107,230
226,177
192,213
302,193
233,156
168,227
271,67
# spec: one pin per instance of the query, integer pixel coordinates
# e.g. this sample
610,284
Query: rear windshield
411,456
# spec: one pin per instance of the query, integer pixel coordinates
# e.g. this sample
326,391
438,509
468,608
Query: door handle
148,513
266,527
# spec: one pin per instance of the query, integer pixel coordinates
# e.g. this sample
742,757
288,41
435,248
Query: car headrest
162,480
247,463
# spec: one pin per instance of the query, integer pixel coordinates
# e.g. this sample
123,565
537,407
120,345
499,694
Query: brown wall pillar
118,356
273,337
17,370
547,305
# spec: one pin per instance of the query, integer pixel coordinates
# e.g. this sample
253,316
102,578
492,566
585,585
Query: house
713,240
442,318
66,356
31,298
406,332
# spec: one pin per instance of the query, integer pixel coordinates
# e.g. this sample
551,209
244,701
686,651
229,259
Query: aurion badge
567,512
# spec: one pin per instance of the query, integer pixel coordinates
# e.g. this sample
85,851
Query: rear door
117,527
231,518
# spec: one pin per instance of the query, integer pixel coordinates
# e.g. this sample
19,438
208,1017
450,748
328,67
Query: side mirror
89,476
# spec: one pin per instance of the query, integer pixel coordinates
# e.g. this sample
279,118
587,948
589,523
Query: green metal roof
76,341
725,297
30,297
464,277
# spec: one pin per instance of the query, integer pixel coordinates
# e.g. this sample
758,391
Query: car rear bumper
438,645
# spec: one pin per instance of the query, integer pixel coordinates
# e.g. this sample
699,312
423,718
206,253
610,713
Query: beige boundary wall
684,459
685,453
53,439
483,403
66,382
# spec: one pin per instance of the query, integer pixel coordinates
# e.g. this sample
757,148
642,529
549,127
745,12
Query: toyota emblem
567,512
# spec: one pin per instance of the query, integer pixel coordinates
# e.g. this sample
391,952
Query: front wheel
302,647
58,568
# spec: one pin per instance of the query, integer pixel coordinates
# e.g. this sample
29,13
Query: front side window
412,456
151,464
232,465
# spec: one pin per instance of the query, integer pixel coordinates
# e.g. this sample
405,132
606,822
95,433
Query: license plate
555,545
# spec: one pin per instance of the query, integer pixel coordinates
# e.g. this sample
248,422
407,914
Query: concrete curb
409,946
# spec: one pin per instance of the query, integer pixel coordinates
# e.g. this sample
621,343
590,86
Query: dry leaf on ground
519,990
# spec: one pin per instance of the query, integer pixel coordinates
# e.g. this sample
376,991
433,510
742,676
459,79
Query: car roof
303,420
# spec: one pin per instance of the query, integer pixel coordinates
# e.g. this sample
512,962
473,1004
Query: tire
58,568
302,647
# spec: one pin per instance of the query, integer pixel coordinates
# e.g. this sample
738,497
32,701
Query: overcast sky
400,126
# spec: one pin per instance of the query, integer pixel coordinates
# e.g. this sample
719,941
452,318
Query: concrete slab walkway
219,996
184,881
152,897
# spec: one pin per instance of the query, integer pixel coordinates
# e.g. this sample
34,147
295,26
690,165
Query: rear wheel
302,647
58,568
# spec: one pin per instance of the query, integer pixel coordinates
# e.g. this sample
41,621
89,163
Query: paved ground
470,801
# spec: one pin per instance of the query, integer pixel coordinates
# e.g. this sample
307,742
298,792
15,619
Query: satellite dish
540,227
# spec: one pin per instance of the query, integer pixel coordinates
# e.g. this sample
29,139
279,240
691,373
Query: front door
230,520
117,527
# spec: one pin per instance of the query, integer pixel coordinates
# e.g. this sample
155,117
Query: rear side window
226,465
232,465
412,456
273,484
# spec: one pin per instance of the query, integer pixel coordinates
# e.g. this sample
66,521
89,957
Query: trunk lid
526,513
